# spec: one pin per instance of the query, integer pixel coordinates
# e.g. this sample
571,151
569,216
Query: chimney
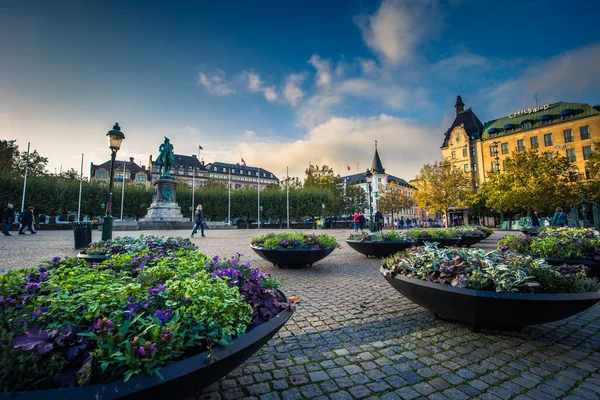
202,162
131,160
194,156
143,167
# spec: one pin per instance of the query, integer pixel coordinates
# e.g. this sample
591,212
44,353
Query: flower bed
294,249
496,289
556,244
66,324
469,235
130,245
379,244
442,236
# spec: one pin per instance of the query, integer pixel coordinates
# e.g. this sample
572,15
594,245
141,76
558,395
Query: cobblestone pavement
354,336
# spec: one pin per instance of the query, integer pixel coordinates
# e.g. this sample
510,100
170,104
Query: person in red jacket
356,221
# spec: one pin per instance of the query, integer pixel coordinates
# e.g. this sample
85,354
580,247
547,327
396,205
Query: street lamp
260,209
115,137
369,178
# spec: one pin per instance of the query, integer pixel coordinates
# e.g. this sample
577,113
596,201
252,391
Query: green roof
580,110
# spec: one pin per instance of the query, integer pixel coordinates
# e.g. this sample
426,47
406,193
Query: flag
200,147
243,162
348,167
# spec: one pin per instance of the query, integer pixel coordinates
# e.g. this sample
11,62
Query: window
249,173
233,171
527,125
571,155
464,152
379,180
520,145
453,154
504,148
585,132
214,168
101,175
473,151
567,117
271,175
466,166
534,142
587,151
141,178
587,173
224,169
474,166
548,139
568,135
495,166
546,121
493,150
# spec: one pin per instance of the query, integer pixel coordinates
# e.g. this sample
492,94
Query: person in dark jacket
378,221
199,219
27,221
535,220
8,217
559,218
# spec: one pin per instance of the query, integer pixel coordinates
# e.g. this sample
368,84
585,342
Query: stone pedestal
164,207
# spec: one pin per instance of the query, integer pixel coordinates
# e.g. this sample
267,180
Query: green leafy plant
295,240
439,233
390,236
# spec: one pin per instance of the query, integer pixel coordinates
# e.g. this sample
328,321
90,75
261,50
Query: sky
282,83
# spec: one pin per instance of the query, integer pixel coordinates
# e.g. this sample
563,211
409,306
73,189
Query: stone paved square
354,336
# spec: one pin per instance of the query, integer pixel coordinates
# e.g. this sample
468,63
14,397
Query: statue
165,159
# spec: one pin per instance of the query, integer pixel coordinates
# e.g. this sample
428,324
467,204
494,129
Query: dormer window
526,124
546,119
566,114
509,128
214,168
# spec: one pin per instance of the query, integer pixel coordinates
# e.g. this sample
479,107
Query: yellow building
568,129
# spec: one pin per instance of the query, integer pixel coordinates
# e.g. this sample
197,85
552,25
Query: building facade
380,182
134,173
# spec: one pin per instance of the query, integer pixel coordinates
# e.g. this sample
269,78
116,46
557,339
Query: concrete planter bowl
594,266
487,309
93,258
441,242
378,248
181,379
292,258
469,240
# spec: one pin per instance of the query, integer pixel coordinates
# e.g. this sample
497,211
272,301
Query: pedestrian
27,219
8,217
559,218
356,221
199,220
402,223
378,221
361,221
535,220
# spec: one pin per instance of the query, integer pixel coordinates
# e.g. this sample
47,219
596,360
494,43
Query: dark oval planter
181,379
293,258
443,242
93,258
379,249
486,309
594,266
470,240
532,233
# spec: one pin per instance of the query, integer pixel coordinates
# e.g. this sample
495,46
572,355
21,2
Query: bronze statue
165,159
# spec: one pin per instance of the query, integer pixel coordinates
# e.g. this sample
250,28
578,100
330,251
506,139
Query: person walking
8,217
559,218
535,220
361,221
27,221
199,219
378,221
356,221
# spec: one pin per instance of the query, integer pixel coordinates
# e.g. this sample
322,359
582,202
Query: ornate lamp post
369,178
115,137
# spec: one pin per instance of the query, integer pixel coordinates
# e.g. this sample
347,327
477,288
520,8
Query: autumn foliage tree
394,199
441,185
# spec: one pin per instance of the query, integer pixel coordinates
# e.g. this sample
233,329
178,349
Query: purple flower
153,348
42,268
234,263
186,299
166,335
32,287
98,324
283,243
44,277
55,259
142,351
238,254
38,312
130,309
109,324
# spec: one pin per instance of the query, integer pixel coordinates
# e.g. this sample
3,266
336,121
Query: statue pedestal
164,207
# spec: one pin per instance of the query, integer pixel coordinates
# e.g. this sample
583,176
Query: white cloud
249,134
569,76
255,84
395,28
404,146
323,68
215,83
292,92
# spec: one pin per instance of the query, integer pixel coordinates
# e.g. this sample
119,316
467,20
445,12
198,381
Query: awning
492,130
508,126
545,117
566,111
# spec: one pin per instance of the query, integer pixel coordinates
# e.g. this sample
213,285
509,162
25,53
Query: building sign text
528,111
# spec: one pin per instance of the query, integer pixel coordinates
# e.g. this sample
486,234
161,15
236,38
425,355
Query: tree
325,179
394,199
591,186
9,152
292,182
532,180
355,199
70,174
441,185
36,165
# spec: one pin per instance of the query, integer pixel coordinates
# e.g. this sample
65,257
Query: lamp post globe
369,179
115,138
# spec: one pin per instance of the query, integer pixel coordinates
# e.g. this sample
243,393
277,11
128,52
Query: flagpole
288,195
259,198
80,188
25,180
229,198
193,189
123,190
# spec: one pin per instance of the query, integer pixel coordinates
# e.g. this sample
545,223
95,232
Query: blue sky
282,83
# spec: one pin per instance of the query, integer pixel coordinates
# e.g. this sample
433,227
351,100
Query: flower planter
528,232
181,379
378,248
487,309
93,258
470,240
292,258
442,242
594,266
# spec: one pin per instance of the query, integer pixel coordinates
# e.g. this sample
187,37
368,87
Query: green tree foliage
355,199
592,185
394,199
14,161
532,180
324,179
441,185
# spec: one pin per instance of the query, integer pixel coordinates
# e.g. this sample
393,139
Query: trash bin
82,233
